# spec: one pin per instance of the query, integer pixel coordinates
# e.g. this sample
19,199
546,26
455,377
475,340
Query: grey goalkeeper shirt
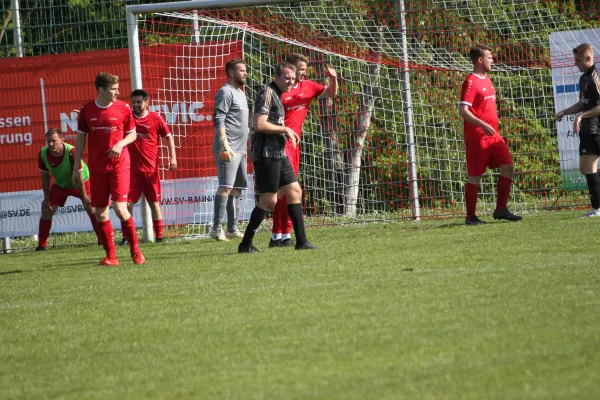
231,113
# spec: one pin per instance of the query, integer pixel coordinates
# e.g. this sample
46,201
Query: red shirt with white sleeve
480,95
297,101
105,126
144,151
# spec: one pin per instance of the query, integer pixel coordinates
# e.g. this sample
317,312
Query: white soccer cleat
591,213
234,235
219,236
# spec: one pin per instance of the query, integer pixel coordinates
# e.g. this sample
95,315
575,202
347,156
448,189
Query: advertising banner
42,92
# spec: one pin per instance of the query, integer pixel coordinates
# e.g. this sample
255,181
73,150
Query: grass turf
410,310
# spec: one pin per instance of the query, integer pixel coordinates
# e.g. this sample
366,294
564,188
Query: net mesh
356,160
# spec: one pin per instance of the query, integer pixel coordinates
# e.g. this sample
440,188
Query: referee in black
272,168
587,123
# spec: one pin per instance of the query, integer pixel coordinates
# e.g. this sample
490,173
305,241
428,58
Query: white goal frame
132,12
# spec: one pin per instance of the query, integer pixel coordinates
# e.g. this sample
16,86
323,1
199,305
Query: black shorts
273,173
589,144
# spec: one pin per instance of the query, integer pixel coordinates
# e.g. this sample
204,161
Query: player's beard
240,81
56,151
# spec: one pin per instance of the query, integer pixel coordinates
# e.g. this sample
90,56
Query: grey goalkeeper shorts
233,174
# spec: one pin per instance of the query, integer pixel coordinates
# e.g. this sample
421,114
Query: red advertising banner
41,93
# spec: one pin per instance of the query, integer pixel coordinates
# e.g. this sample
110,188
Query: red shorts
293,155
488,152
114,184
147,183
58,195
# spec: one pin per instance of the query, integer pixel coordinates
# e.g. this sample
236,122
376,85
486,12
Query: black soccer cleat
123,242
242,248
159,240
507,215
275,243
474,221
40,248
287,243
305,246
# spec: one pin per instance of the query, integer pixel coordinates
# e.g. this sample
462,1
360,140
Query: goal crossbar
200,4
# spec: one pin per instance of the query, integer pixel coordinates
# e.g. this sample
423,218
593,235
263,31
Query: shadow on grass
14,271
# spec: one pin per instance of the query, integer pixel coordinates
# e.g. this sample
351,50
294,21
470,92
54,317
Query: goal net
390,145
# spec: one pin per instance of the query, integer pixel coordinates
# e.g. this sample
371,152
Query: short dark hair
52,131
140,92
232,64
283,65
295,58
477,51
104,80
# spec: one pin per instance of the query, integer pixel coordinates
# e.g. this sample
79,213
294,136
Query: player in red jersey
144,158
296,103
56,159
108,125
484,146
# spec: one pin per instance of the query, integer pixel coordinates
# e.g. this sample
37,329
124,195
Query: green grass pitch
429,310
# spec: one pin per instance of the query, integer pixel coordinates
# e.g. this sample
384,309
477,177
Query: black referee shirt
269,103
589,95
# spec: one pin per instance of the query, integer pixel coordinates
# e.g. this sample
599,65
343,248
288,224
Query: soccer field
423,310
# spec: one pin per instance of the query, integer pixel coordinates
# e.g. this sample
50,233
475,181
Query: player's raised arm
332,89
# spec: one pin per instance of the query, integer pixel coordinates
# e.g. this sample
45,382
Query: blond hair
584,49
295,58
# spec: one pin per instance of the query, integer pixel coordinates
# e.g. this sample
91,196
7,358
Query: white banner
184,201
565,81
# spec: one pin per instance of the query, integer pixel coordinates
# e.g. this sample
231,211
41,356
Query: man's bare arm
467,115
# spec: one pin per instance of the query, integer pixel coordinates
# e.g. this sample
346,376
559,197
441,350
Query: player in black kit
586,122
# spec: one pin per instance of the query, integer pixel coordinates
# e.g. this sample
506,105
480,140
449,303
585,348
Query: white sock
285,236
276,236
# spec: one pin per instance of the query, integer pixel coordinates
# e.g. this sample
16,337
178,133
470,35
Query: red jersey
53,160
144,151
105,126
297,101
480,95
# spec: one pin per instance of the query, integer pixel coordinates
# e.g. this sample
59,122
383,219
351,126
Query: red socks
277,210
129,233
44,232
94,222
281,218
503,188
107,233
471,198
157,225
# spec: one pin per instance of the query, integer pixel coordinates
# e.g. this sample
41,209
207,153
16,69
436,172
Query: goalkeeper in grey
229,148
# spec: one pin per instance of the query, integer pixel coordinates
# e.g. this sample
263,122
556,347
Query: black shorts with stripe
589,144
